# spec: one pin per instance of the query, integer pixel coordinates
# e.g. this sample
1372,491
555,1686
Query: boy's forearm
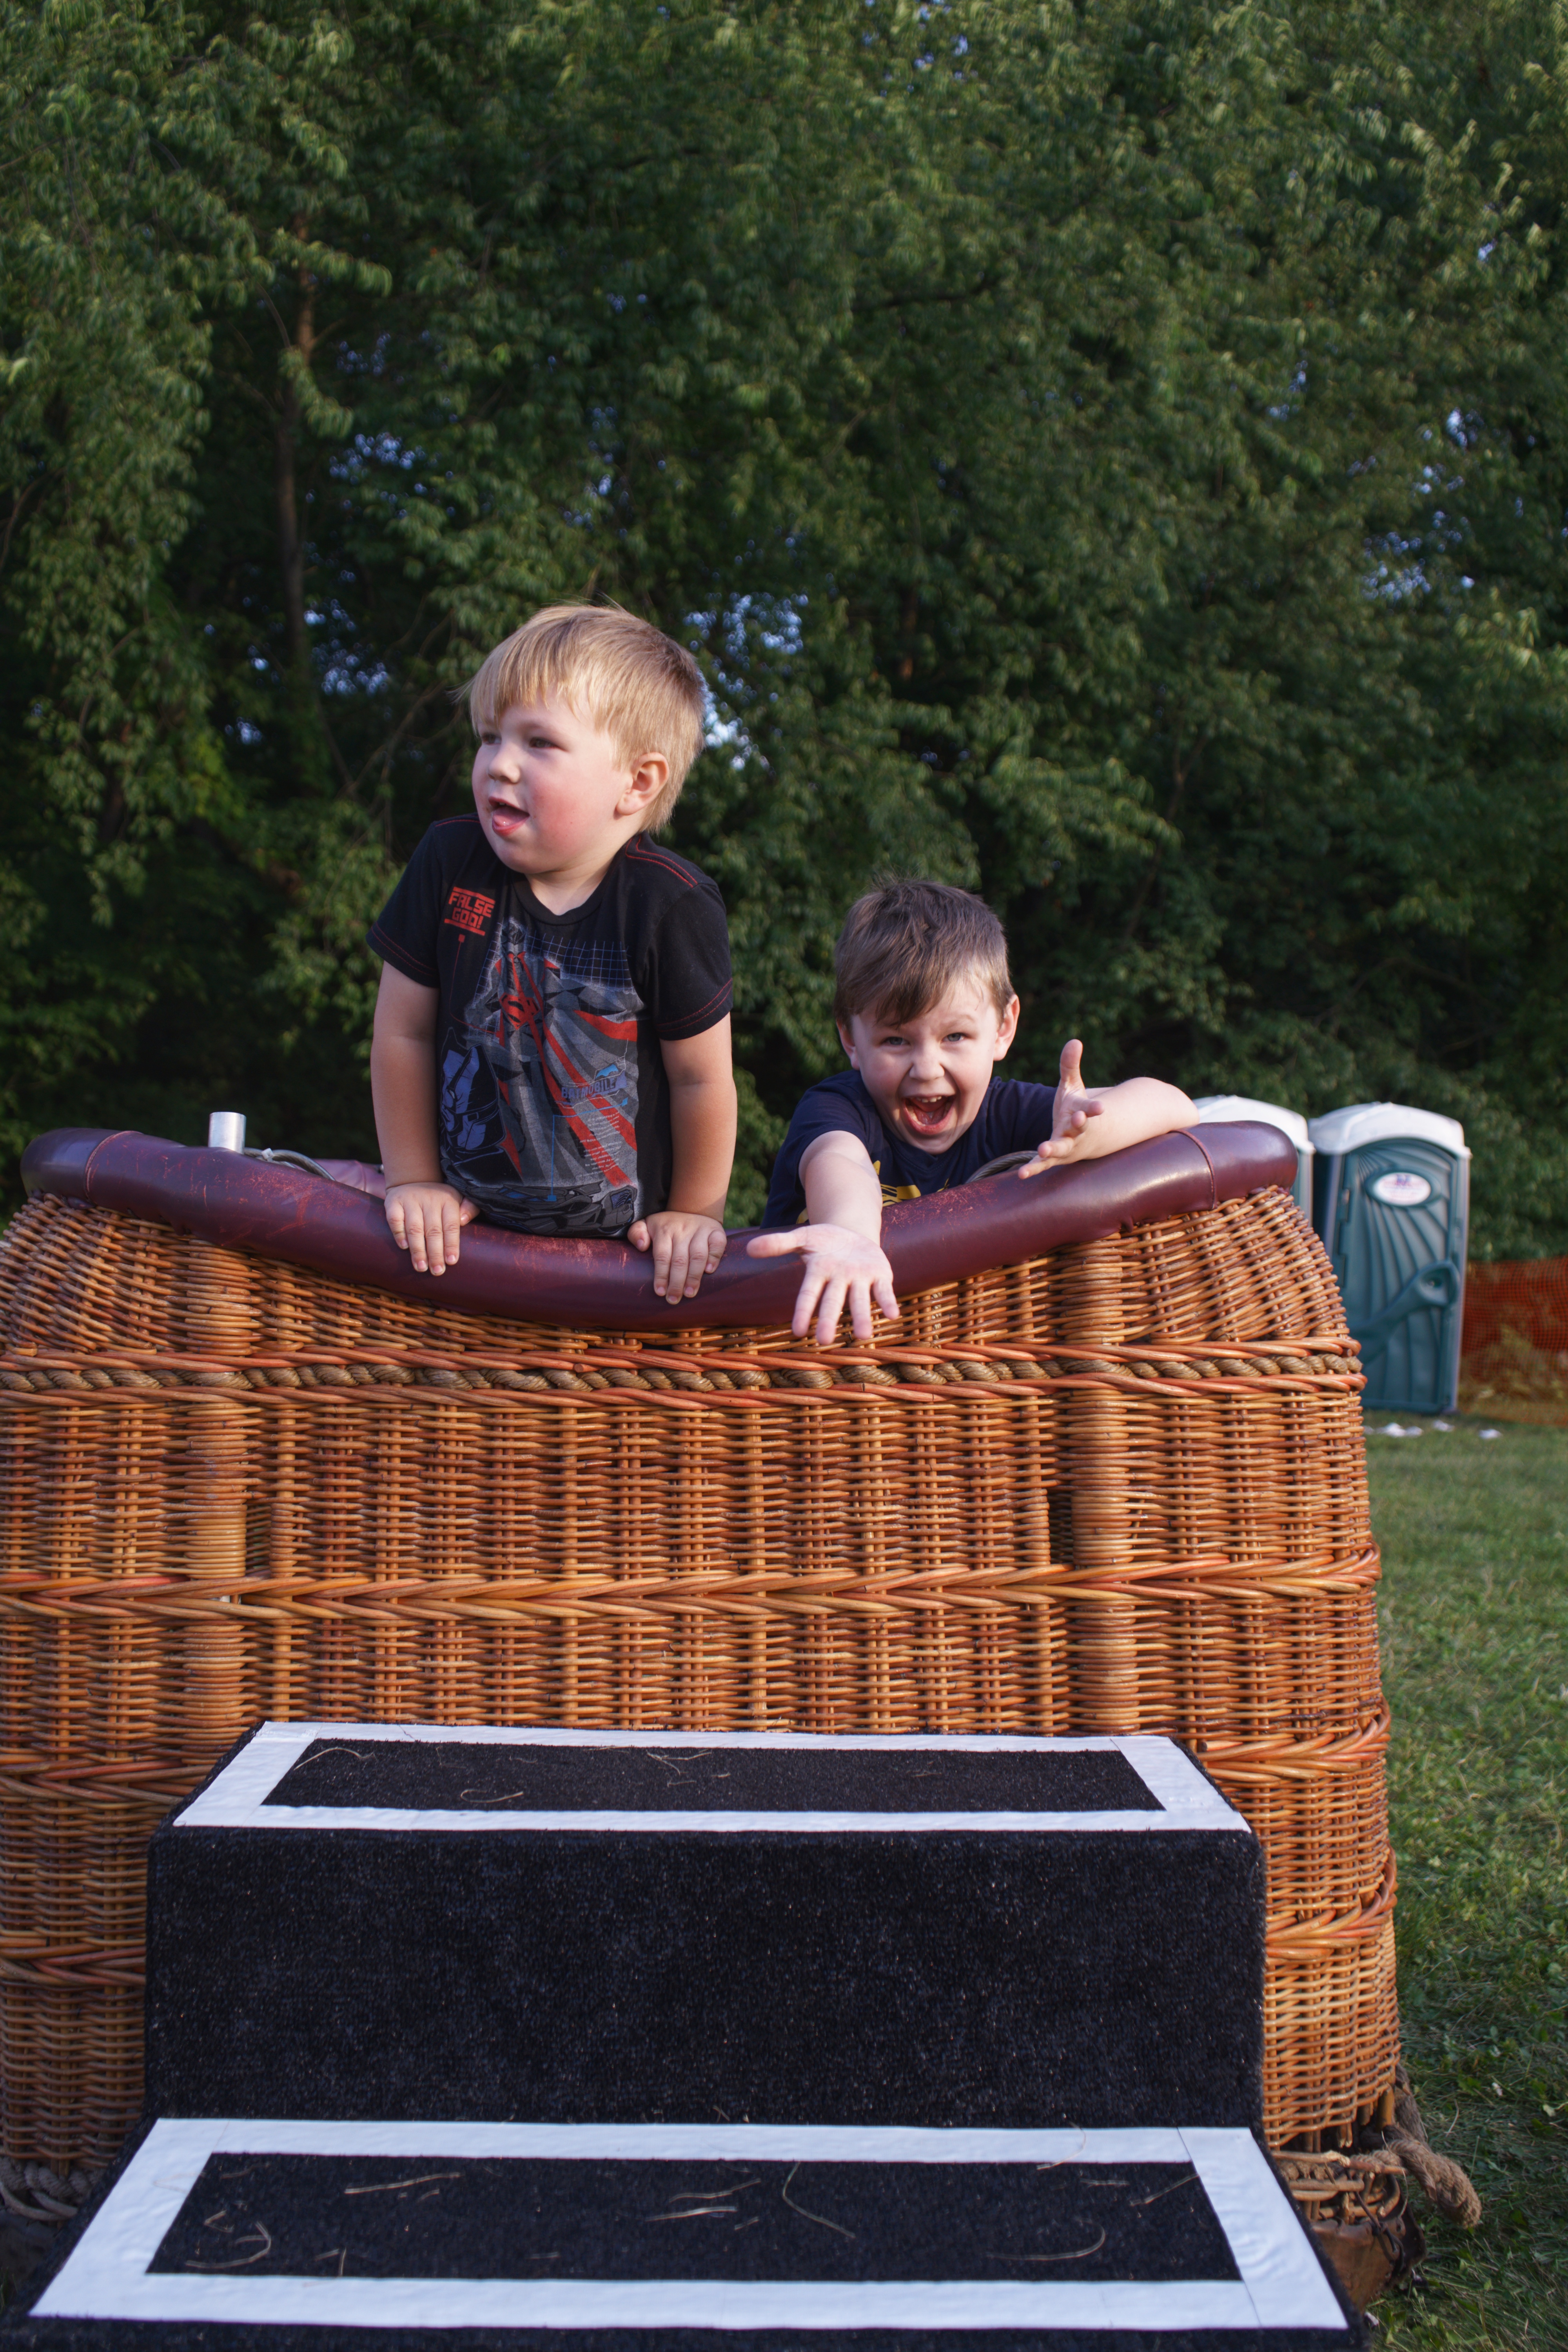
702,1120
842,1187
1133,1112
403,1091
840,1241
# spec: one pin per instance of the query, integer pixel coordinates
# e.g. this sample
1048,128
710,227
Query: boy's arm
842,1240
1086,1126
424,1212
688,1236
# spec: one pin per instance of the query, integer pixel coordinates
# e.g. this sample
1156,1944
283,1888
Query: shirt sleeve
404,932
689,985
821,1110
1021,1116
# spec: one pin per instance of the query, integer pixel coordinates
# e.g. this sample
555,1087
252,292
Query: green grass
1475,1628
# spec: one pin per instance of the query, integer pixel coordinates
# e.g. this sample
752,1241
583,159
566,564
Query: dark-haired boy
925,1007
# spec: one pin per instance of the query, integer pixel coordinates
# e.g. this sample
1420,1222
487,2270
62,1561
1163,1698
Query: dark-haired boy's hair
904,946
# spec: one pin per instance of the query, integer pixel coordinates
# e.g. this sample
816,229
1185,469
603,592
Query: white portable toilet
1391,1205
1213,1108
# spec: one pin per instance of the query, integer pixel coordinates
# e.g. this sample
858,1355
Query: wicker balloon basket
1119,1488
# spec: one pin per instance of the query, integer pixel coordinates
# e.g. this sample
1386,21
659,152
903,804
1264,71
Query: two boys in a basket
552,1044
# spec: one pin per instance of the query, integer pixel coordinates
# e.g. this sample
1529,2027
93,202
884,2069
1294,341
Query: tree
1105,454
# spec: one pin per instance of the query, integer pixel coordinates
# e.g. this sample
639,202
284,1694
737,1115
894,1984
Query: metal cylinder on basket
1118,1488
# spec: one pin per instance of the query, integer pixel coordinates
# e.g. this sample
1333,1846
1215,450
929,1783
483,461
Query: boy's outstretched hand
686,1246
1073,1109
839,1266
425,1220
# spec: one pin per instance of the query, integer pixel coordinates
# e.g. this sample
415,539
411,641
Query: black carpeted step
380,1922
689,2238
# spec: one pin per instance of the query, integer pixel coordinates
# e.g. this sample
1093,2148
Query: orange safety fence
1513,1361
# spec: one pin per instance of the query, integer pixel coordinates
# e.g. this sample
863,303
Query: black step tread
640,2240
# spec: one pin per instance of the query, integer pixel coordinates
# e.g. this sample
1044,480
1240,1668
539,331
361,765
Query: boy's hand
426,1221
686,1246
839,1266
1073,1109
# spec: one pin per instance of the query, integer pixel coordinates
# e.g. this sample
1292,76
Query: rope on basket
1312,1363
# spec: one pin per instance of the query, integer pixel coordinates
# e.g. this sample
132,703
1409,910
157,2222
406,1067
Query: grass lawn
1474,1628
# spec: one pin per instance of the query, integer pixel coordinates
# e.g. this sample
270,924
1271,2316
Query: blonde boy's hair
631,682
905,946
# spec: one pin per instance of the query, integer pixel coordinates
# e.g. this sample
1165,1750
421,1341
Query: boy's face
554,796
928,1077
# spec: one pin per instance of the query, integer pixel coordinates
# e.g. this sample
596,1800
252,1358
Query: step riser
353,1921
874,1979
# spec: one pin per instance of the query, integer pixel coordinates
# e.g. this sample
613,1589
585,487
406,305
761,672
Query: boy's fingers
1072,1063
676,1265
701,1260
860,1308
639,1234
885,1301
415,1226
428,1222
829,1310
805,1299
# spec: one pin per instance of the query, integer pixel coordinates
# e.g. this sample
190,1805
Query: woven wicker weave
1120,1488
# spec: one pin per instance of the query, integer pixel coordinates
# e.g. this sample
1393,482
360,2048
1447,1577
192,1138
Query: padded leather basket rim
334,1229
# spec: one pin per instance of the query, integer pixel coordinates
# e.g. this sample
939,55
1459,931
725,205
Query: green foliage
1110,454
1474,1613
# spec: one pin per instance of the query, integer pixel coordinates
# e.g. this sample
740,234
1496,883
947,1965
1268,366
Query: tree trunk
290,539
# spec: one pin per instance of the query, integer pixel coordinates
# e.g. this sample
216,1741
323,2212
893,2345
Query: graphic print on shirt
557,1028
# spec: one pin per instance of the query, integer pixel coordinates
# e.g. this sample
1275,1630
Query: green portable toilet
1392,1202
1211,1108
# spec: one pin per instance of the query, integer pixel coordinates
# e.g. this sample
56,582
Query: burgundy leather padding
334,1229
358,1173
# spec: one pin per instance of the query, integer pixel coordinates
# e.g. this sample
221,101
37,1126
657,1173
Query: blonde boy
924,1008
552,1045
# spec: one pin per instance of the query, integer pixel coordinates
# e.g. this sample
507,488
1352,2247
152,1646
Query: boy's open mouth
926,1113
505,818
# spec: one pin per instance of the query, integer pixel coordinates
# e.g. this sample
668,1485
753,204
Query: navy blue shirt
1013,1116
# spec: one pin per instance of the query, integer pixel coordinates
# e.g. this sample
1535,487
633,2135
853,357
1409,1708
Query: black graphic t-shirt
553,1105
1015,1114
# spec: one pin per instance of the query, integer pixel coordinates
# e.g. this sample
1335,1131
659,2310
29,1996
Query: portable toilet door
1392,1200
1211,1108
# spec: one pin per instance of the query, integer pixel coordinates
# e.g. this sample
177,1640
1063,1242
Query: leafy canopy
1108,455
